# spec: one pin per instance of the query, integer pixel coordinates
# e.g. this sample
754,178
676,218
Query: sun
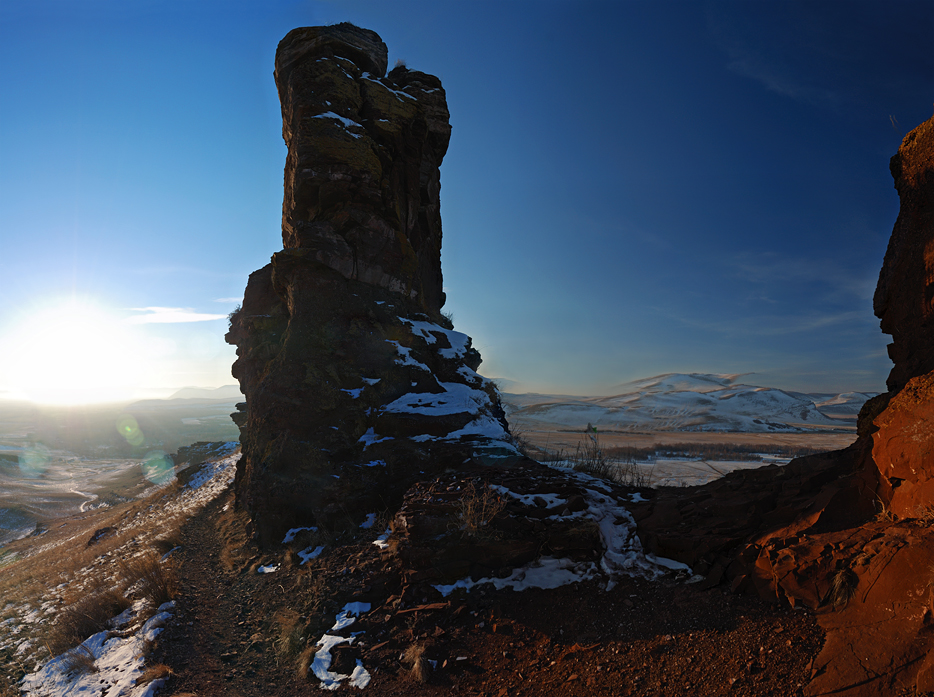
70,352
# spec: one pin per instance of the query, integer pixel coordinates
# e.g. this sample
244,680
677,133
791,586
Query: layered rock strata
848,534
355,382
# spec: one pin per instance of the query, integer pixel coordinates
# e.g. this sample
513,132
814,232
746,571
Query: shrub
589,457
84,618
157,579
414,657
843,587
79,660
477,507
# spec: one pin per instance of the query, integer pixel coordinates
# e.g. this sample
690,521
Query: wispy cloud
777,77
228,300
773,268
170,315
771,325
787,51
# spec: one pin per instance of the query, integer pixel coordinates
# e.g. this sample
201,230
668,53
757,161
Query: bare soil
241,633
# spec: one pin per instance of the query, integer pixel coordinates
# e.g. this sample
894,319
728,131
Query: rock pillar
355,382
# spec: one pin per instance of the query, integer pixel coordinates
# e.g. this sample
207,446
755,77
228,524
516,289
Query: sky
632,187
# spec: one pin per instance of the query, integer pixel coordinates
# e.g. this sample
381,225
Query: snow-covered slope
683,402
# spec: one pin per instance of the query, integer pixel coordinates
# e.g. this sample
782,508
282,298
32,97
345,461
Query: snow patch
118,662
310,553
322,662
290,535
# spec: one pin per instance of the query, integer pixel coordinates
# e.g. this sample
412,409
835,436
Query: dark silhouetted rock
355,383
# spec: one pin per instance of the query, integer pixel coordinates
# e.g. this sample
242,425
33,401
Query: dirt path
217,644
231,635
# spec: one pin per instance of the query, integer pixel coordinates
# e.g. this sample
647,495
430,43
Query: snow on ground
118,663
622,555
310,553
684,402
322,663
457,398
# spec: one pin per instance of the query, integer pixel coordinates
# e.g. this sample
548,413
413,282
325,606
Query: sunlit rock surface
849,533
355,382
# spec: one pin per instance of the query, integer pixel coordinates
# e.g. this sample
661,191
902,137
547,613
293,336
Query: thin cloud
773,325
170,315
228,300
771,268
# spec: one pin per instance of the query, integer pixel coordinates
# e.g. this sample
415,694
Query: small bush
86,617
843,587
477,507
414,657
159,671
290,637
305,660
157,579
592,459
79,660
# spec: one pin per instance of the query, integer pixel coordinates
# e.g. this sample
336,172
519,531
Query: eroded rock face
355,383
848,533
904,298
362,184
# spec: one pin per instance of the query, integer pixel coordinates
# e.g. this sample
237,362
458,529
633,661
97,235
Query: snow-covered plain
686,402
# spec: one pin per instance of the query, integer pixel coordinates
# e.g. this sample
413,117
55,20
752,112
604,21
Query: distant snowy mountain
686,402
224,392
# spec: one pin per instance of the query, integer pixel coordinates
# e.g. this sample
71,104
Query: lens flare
129,429
158,467
34,460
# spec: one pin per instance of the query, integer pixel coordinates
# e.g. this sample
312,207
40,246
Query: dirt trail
216,644
641,638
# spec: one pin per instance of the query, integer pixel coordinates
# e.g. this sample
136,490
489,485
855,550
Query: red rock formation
355,383
904,298
849,533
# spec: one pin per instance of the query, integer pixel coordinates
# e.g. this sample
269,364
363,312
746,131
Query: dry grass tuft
884,513
79,660
159,671
305,660
157,579
477,507
86,617
290,637
414,657
592,459
843,587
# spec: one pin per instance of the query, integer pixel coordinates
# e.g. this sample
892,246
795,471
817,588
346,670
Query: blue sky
632,187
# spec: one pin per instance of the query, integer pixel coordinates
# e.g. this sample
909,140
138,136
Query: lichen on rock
355,382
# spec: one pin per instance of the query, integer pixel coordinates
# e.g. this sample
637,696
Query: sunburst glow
70,352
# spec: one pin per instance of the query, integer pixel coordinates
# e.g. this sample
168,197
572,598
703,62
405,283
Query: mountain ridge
689,401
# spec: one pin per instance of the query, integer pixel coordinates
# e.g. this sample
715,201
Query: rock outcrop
355,381
850,533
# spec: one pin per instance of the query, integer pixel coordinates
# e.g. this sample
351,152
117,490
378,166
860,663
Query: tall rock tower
355,382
